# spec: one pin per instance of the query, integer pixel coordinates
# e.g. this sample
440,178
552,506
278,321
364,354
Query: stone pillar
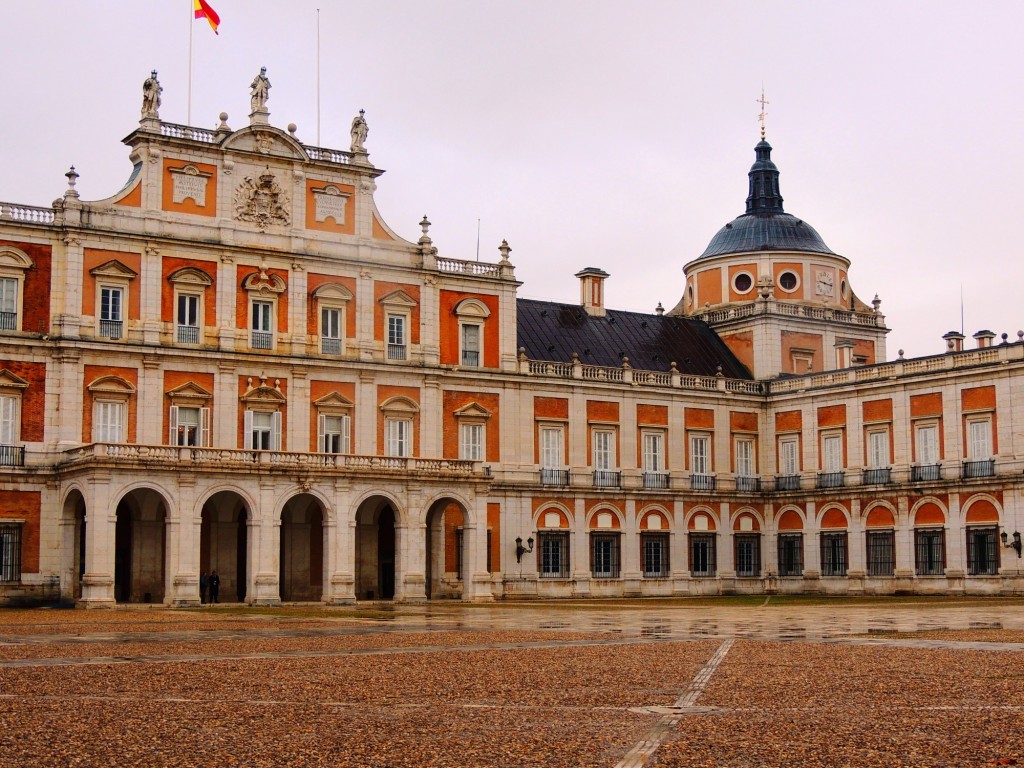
298,411
225,407
264,550
629,553
227,277
365,438
101,522
150,281
298,296
431,429
149,429
579,545
366,305
184,529
66,299
65,385
410,562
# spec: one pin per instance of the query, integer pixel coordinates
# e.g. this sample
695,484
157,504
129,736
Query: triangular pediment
113,268
189,391
473,410
398,299
10,380
333,400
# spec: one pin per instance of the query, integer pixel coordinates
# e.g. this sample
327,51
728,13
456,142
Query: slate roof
552,331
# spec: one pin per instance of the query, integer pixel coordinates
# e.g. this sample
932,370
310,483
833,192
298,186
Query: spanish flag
204,11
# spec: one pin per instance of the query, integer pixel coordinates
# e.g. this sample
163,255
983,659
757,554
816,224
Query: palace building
234,364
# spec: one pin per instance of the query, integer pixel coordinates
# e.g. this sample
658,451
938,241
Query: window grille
604,555
655,554
10,552
881,553
554,554
833,554
702,554
930,551
791,554
982,551
748,554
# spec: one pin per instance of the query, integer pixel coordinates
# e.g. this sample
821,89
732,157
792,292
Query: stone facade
234,364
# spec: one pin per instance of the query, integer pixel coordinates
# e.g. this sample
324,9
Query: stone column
225,407
264,551
101,523
184,529
227,277
298,411
431,419
149,424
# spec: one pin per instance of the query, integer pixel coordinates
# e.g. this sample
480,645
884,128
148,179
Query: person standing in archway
214,587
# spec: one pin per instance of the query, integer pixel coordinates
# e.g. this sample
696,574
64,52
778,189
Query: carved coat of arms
262,201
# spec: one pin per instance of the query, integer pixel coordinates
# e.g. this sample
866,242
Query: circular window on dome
845,288
788,281
742,282
689,295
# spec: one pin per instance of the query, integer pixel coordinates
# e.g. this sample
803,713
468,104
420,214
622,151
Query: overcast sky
608,134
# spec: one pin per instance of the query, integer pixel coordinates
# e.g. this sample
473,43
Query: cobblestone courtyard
718,682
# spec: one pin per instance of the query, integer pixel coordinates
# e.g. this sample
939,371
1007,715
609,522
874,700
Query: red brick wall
450,425
170,266
449,330
386,392
24,505
313,306
173,380
318,389
93,372
242,298
36,301
33,397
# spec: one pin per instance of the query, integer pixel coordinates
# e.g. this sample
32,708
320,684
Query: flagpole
318,77
188,111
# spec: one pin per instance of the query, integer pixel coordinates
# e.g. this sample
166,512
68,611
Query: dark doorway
123,555
386,553
224,544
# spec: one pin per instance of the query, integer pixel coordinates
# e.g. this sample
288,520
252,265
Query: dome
765,226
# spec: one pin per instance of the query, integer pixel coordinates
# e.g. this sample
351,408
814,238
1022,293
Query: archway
302,550
140,543
375,550
73,559
224,544
445,550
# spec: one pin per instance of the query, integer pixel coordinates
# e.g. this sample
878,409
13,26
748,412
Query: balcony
983,468
12,456
215,459
470,359
557,477
831,479
8,321
787,482
607,478
656,481
396,351
111,329
262,340
877,476
330,346
925,472
747,484
703,482
188,334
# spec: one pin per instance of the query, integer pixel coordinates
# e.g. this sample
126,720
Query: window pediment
333,292
10,380
334,400
190,391
14,258
472,309
398,299
190,277
262,392
399,406
114,269
264,283
472,411
111,385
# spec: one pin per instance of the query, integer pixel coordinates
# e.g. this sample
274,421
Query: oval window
743,282
788,281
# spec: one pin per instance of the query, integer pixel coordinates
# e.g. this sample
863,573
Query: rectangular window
833,554
881,552
700,454
878,449
470,345
604,449
398,437
791,554
655,553
832,453
8,304
930,551
263,430
471,442
551,444
789,456
553,549
604,555
702,554
335,431
108,422
926,441
979,439
111,312
189,426
396,337
263,325
982,551
745,457
654,451
188,318
10,552
748,554
9,421
330,331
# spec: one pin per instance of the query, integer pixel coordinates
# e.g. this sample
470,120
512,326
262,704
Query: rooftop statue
359,132
151,90
260,91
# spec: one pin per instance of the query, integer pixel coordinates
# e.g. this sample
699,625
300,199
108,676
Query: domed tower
776,294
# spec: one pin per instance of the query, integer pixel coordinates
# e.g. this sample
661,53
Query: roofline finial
763,102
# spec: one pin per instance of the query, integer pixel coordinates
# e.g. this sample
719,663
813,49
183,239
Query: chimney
844,353
592,290
954,341
984,338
